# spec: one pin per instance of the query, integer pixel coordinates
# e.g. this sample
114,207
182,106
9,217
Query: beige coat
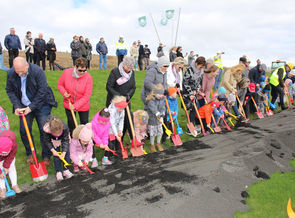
230,81
134,52
28,46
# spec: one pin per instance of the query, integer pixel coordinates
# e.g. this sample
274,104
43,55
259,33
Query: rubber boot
159,146
153,148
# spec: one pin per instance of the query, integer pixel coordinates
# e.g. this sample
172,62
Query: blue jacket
101,48
218,111
173,105
12,42
38,91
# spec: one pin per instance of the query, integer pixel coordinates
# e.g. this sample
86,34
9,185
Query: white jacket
116,120
171,80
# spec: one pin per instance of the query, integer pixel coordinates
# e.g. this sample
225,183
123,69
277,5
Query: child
156,111
206,113
81,146
218,112
117,114
100,127
140,124
4,122
8,149
173,105
57,139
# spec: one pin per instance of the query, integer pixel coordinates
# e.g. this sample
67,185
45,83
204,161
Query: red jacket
9,158
206,112
80,90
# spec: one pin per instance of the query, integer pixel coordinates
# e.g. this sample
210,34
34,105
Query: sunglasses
81,71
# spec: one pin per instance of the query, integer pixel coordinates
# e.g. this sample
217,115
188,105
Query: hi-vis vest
218,62
274,78
120,45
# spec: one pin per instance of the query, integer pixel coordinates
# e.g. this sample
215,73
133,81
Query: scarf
74,74
125,77
176,75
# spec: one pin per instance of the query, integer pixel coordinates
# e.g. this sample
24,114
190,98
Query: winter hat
122,104
5,146
252,87
222,97
214,104
171,90
86,133
163,61
221,90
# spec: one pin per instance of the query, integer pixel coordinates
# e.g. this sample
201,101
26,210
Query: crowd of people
207,100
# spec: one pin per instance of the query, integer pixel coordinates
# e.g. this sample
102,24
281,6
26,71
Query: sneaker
198,129
59,176
2,193
94,163
16,189
106,161
76,168
67,174
188,132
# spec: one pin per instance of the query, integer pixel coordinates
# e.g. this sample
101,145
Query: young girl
206,113
156,111
100,127
8,149
57,139
81,146
140,124
4,122
117,114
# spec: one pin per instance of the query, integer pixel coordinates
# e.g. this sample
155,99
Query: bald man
27,89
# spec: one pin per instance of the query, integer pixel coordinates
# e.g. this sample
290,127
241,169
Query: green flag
169,14
142,21
164,21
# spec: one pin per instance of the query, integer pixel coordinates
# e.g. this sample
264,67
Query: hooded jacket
156,109
116,120
100,131
9,158
206,112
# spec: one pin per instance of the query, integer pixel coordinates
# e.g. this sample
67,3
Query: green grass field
98,100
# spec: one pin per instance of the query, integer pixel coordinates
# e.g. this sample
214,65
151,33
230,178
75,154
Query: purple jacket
100,131
79,152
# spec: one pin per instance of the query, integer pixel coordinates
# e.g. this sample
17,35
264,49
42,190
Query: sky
263,29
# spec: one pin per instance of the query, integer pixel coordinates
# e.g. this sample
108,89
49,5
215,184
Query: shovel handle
87,168
66,164
183,104
196,109
241,106
227,126
74,116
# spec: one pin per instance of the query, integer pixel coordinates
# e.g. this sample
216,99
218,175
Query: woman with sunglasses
75,85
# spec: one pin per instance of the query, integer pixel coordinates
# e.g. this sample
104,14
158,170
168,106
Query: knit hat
122,104
86,133
5,146
252,87
163,61
222,97
214,104
221,90
171,90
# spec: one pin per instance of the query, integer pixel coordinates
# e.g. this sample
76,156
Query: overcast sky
262,29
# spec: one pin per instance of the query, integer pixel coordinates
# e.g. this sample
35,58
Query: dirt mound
182,181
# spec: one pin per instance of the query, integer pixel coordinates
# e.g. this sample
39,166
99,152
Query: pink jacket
79,152
80,89
207,85
101,132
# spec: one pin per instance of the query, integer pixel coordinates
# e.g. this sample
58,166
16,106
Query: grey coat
153,77
156,109
76,47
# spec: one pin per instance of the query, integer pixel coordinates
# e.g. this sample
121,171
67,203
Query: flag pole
177,27
155,27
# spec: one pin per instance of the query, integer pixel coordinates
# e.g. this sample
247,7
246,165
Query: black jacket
127,89
254,75
37,89
141,51
147,52
39,46
51,56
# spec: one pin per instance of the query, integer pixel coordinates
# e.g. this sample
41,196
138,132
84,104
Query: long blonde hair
118,99
237,68
151,96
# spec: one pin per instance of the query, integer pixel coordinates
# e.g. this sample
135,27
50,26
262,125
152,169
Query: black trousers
74,60
29,57
84,115
40,57
275,92
140,64
113,145
120,59
13,53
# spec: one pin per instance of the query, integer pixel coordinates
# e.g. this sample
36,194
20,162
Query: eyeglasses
81,71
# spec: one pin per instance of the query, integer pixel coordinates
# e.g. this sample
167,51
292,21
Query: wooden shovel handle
73,115
202,126
241,106
183,104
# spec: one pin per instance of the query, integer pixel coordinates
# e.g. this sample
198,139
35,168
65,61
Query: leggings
11,173
152,139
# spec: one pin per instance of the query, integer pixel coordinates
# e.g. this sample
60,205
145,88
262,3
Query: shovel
175,137
231,122
227,126
202,126
258,112
190,125
167,131
242,109
124,151
38,170
235,117
179,129
66,164
272,106
74,116
268,110
87,168
136,151
9,192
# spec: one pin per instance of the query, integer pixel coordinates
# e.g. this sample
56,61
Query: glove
166,93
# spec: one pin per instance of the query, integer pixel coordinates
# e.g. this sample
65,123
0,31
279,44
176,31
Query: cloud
258,28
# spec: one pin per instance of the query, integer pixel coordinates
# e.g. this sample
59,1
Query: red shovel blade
136,151
227,126
176,140
136,143
123,151
87,168
38,171
259,114
192,129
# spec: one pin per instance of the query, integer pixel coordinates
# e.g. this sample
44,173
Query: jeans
103,57
135,63
84,115
218,79
2,67
40,115
58,164
13,53
235,108
275,92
